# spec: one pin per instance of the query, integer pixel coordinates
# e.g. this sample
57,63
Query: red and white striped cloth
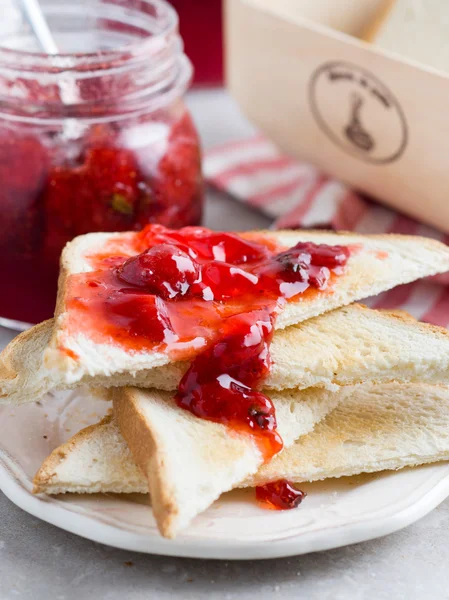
295,194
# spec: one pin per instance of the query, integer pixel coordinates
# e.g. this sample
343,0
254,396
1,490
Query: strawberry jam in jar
95,138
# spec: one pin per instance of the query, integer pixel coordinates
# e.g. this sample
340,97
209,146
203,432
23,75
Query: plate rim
52,511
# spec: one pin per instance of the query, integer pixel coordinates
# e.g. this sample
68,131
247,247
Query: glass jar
96,138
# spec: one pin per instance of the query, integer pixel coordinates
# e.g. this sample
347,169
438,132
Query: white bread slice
189,462
23,377
381,427
377,428
350,345
417,30
380,263
96,459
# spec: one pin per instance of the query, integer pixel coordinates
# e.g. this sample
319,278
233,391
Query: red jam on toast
211,298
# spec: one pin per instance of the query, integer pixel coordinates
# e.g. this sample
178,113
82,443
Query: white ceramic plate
335,513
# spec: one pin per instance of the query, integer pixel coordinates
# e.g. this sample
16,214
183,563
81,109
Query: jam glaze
279,495
208,297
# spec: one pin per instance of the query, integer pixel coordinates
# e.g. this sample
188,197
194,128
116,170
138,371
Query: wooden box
369,117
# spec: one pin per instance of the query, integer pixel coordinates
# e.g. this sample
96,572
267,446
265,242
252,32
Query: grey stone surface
40,562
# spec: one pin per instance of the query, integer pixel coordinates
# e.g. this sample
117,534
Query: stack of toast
354,390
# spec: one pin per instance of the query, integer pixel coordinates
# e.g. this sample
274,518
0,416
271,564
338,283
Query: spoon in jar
67,87
39,25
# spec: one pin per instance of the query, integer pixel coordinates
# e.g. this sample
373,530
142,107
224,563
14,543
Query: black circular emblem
358,112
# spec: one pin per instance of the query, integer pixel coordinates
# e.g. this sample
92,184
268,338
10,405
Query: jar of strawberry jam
95,138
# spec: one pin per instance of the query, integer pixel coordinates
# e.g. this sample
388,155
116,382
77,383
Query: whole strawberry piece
163,270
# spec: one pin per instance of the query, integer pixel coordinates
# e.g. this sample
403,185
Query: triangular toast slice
379,427
179,452
376,263
188,461
96,459
343,347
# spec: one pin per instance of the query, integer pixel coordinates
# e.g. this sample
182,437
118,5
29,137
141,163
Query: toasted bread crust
71,247
405,317
143,441
428,257
391,426
23,378
106,364
47,471
376,428
10,355
189,462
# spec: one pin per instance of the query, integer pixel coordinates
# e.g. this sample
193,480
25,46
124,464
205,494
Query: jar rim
156,102
124,79
70,61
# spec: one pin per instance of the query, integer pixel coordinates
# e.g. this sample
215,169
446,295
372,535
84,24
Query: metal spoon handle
39,25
